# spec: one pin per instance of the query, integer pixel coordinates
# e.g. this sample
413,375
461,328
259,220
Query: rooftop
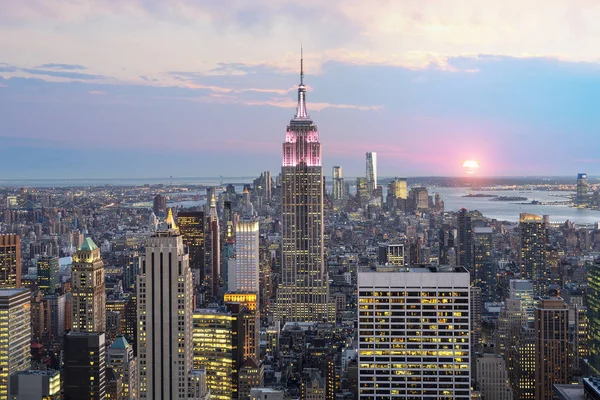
88,245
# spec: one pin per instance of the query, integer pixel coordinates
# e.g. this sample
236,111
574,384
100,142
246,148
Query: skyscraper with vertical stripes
302,291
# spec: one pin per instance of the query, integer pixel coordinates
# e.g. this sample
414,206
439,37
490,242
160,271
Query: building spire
301,112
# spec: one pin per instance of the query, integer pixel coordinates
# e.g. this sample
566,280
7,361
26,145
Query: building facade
413,333
533,251
371,168
302,294
191,227
245,275
10,261
84,366
339,189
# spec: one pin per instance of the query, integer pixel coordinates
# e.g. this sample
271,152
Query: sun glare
470,166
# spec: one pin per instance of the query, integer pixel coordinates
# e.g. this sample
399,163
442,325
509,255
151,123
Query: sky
198,88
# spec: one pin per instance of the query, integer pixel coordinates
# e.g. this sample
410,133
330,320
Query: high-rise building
551,346
398,188
302,294
55,315
124,364
212,246
250,322
339,189
447,254
476,315
483,262
160,205
47,274
533,251
465,241
492,377
15,335
593,306
391,254
88,307
32,384
522,290
10,261
245,274
423,313
371,171
218,346
523,358
582,189
191,227
84,366
165,306
251,376
418,199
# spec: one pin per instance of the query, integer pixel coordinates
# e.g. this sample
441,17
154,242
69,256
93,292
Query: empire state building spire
301,112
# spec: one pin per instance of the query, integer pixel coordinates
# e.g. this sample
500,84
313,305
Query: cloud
68,67
96,92
61,74
2,85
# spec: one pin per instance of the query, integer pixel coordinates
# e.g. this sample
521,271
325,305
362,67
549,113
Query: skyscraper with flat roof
191,227
303,290
465,241
533,251
338,183
582,189
413,333
371,168
88,304
10,261
84,366
245,274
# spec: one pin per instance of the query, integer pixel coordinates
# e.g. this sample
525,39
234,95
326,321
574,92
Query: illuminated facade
483,262
88,306
371,165
165,306
244,277
15,335
124,364
212,246
33,384
303,290
250,321
217,343
551,346
339,189
399,188
47,274
582,189
522,368
533,251
10,261
413,333
391,254
191,227
593,305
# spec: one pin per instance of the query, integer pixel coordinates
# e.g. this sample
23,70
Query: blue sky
107,89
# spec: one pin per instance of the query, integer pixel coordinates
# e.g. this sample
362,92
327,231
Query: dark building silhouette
85,366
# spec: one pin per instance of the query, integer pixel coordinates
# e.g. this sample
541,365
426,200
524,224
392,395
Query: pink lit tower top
302,293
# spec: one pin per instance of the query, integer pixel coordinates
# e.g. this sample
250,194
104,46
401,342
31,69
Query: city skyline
426,88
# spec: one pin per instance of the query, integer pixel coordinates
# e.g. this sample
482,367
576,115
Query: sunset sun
470,166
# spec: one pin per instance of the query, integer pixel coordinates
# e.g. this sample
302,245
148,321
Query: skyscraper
338,183
413,333
302,294
10,261
212,245
15,335
245,274
88,305
483,263
551,346
465,241
533,251
582,189
124,364
371,171
191,227
593,304
165,306
47,274
160,205
250,322
85,366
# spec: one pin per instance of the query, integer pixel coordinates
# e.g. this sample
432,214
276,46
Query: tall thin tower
302,292
371,171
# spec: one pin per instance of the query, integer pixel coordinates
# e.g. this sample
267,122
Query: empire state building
302,295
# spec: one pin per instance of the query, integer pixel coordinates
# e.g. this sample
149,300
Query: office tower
418,199
124,364
198,388
218,346
160,205
398,188
114,385
371,171
580,332
483,262
47,274
10,261
191,227
510,320
476,302
55,316
250,322
464,244
338,184
244,276
84,366
492,377
424,313
582,189
130,271
88,308
522,289
302,293
165,305
522,368
533,251
593,305
251,375
212,246
391,254
15,335
34,385
551,346
446,245
263,187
